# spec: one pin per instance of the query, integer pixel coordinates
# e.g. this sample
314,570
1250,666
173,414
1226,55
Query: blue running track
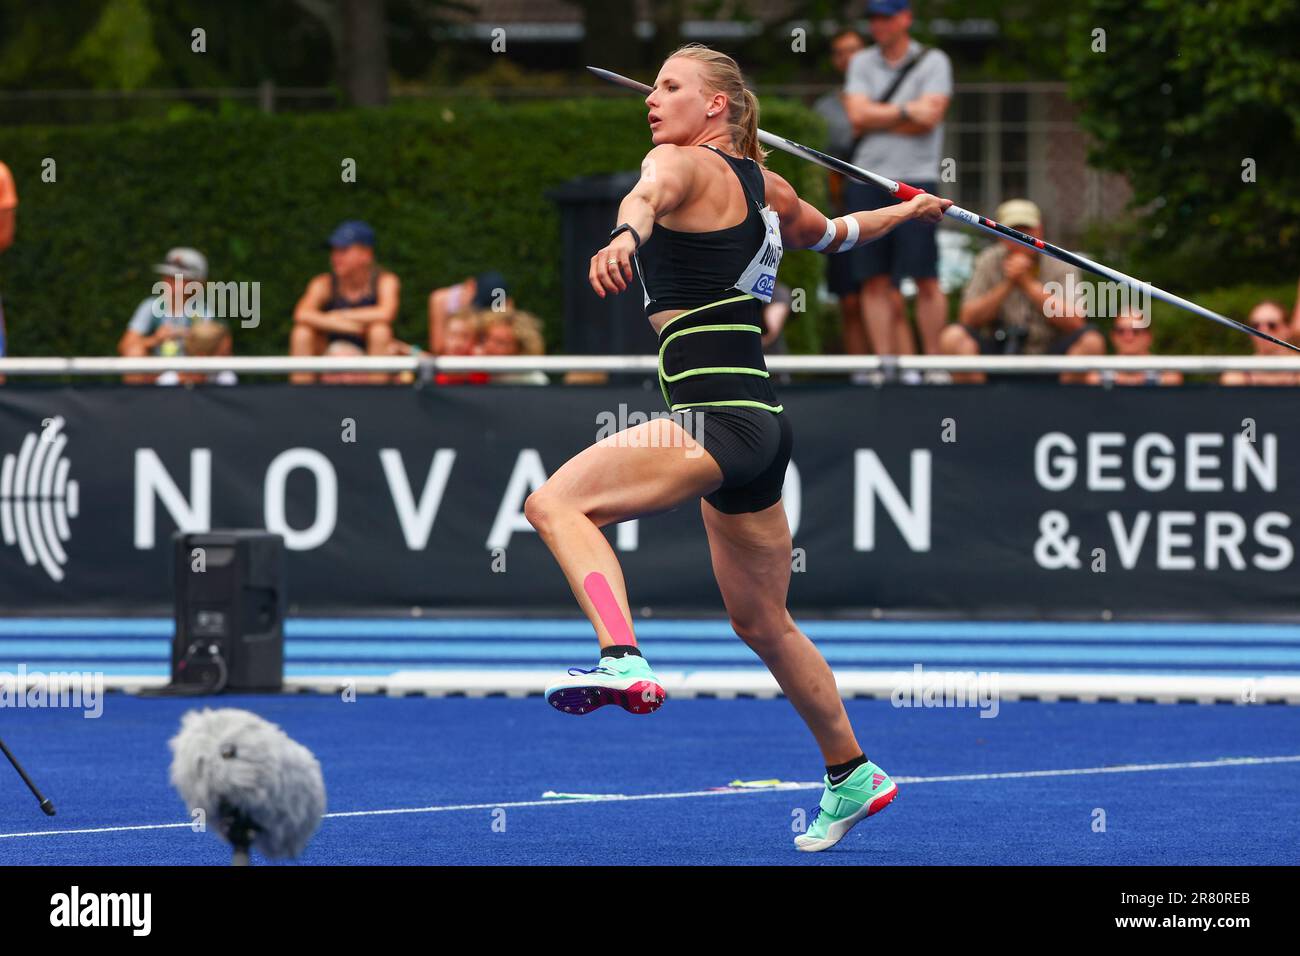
425,780
461,765
361,646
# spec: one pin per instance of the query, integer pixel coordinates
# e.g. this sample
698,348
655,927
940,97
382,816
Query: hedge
452,188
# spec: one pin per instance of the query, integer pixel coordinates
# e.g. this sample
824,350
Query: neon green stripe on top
701,308
665,378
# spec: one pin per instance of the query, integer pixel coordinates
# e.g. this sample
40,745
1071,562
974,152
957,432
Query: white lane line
725,792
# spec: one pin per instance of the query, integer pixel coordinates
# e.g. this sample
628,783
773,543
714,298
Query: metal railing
425,365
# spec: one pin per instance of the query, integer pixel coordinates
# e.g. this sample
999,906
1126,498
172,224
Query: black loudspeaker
230,609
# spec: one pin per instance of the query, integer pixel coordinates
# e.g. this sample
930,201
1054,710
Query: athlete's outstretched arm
667,177
804,227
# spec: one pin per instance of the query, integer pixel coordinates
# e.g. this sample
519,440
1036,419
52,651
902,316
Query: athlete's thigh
639,471
751,561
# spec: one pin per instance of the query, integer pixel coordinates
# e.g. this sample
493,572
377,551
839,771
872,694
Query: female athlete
703,230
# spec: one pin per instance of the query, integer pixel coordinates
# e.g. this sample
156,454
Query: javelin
905,192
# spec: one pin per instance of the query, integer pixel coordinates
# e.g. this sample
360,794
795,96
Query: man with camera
1013,304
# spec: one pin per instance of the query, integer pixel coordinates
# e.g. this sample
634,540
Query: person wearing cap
1007,309
895,96
487,290
159,323
8,214
355,302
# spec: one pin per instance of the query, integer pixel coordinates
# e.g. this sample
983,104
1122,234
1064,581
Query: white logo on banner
37,498
1181,540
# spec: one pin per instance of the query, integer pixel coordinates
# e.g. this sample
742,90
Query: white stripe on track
614,798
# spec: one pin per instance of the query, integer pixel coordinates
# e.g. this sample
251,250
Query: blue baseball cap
354,232
886,8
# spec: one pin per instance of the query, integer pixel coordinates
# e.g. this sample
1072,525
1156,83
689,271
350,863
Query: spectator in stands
1006,308
8,215
488,290
1131,335
895,95
839,275
460,336
1270,317
839,143
203,339
775,314
512,333
356,301
347,348
159,323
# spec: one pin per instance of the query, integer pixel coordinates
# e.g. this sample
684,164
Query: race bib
759,277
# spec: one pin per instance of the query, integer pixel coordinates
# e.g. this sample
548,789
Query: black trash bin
615,325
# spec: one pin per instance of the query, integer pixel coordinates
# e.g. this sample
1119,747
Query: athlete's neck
720,141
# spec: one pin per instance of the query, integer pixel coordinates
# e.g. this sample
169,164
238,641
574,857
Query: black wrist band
624,227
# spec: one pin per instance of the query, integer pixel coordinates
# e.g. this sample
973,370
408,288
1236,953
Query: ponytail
744,132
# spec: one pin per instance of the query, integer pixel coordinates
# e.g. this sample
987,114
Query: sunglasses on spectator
1267,326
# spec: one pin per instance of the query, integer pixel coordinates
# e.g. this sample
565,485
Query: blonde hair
206,338
722,74
526,327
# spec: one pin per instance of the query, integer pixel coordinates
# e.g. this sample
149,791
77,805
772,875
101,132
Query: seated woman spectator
488,290
1270,317
355,302
512,333
1131,335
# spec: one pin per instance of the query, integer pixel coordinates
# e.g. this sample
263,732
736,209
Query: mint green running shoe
867,790
627,681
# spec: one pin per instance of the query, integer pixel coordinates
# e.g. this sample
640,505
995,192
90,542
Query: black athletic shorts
911,249
751,446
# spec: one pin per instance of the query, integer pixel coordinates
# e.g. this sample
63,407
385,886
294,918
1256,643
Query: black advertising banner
1014,499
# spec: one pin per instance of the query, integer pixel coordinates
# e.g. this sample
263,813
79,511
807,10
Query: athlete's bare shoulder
668,156
780,194
668,177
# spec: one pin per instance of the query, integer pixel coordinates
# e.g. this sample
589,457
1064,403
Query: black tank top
339,301
685,270
712,353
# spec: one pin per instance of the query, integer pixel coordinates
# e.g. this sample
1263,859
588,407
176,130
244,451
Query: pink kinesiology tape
602,596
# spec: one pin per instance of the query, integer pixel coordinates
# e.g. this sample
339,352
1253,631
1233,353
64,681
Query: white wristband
852,238
827,238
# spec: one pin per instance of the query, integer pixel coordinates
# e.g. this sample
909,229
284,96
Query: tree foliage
452,189
1198,105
